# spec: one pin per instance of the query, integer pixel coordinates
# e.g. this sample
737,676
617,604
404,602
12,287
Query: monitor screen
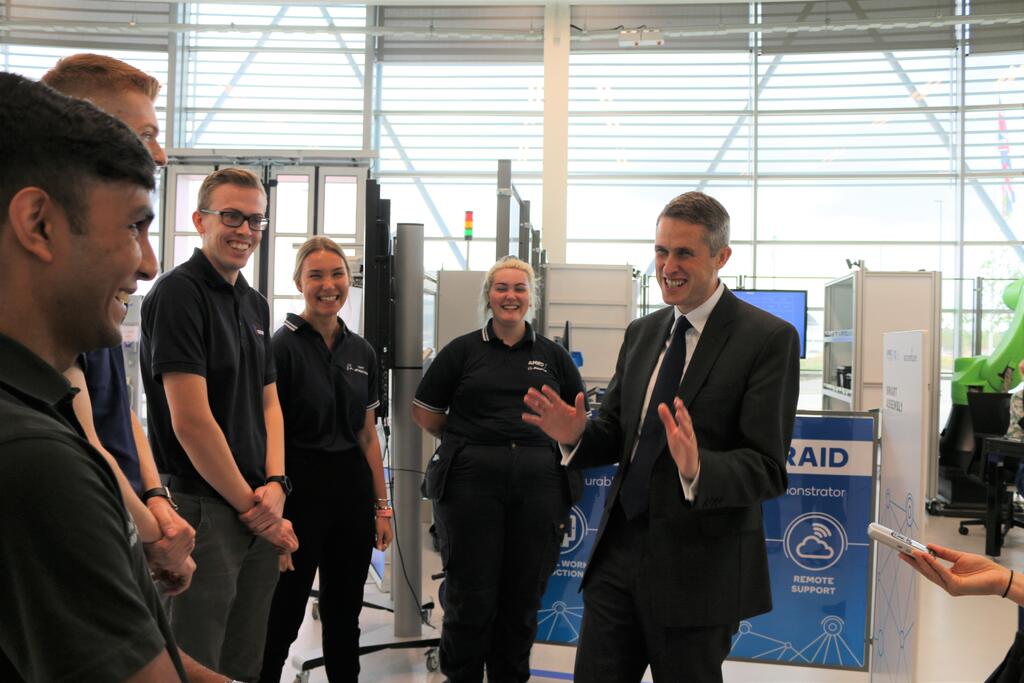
790,305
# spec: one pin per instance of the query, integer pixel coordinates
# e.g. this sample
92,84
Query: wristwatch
284,481
159,492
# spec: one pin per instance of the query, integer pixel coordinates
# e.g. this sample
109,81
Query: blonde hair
313,245
508,263
228,176
87,75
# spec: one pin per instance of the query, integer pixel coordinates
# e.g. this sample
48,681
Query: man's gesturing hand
556,418
682,442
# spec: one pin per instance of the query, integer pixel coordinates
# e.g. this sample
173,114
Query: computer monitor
788,304
990,413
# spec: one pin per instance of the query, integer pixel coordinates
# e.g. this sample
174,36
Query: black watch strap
159,492
284,481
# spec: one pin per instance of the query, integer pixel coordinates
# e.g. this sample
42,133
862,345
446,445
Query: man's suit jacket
708,562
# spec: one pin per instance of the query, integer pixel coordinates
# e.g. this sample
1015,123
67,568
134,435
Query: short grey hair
701,209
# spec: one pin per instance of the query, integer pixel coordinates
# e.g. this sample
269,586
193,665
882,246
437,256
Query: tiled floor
961,639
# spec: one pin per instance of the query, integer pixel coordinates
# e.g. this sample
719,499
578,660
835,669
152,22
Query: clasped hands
265,519
169,557
566,423
170,560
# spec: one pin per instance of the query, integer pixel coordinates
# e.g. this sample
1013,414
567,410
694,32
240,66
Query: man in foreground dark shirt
76,599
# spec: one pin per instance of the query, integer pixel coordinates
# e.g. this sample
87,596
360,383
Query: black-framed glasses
234,219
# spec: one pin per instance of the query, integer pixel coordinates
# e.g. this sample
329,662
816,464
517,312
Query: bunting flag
1004,162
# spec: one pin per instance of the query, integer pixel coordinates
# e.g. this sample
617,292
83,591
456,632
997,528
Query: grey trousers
221,620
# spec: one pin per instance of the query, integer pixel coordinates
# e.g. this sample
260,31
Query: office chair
990,416
1003,458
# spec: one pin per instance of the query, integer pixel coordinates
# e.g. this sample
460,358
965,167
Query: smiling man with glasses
216,426
234,219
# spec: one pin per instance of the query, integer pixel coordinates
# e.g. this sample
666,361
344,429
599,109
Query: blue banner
818,551
561,608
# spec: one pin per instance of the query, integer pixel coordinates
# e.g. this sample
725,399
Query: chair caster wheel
433,659
963,530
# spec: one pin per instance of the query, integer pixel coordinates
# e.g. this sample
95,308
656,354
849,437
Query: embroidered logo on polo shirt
537,366
356,368
133,532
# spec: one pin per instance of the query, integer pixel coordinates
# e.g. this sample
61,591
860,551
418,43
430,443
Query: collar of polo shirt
27,373
487,332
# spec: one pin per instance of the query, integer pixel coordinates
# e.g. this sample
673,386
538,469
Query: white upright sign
906,407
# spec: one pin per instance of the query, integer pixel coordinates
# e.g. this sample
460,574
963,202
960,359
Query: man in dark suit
680,555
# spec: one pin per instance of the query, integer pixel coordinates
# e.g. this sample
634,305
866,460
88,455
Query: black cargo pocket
437,469
442,541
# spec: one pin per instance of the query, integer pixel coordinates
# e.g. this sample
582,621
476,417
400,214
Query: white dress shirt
698,318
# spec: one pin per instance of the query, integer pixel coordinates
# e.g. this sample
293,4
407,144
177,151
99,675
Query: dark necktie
636,487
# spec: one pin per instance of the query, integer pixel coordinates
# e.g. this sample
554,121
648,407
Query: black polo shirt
324,393
76,599
194,321
481,382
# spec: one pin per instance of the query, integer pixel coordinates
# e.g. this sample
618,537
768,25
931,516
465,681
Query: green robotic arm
996,372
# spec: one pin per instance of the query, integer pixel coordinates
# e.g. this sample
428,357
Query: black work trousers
620,637
331,510
500,524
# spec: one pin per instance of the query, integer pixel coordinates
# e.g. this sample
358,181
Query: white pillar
556,128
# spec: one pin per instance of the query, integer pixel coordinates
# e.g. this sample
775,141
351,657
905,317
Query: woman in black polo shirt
500,496
327,383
